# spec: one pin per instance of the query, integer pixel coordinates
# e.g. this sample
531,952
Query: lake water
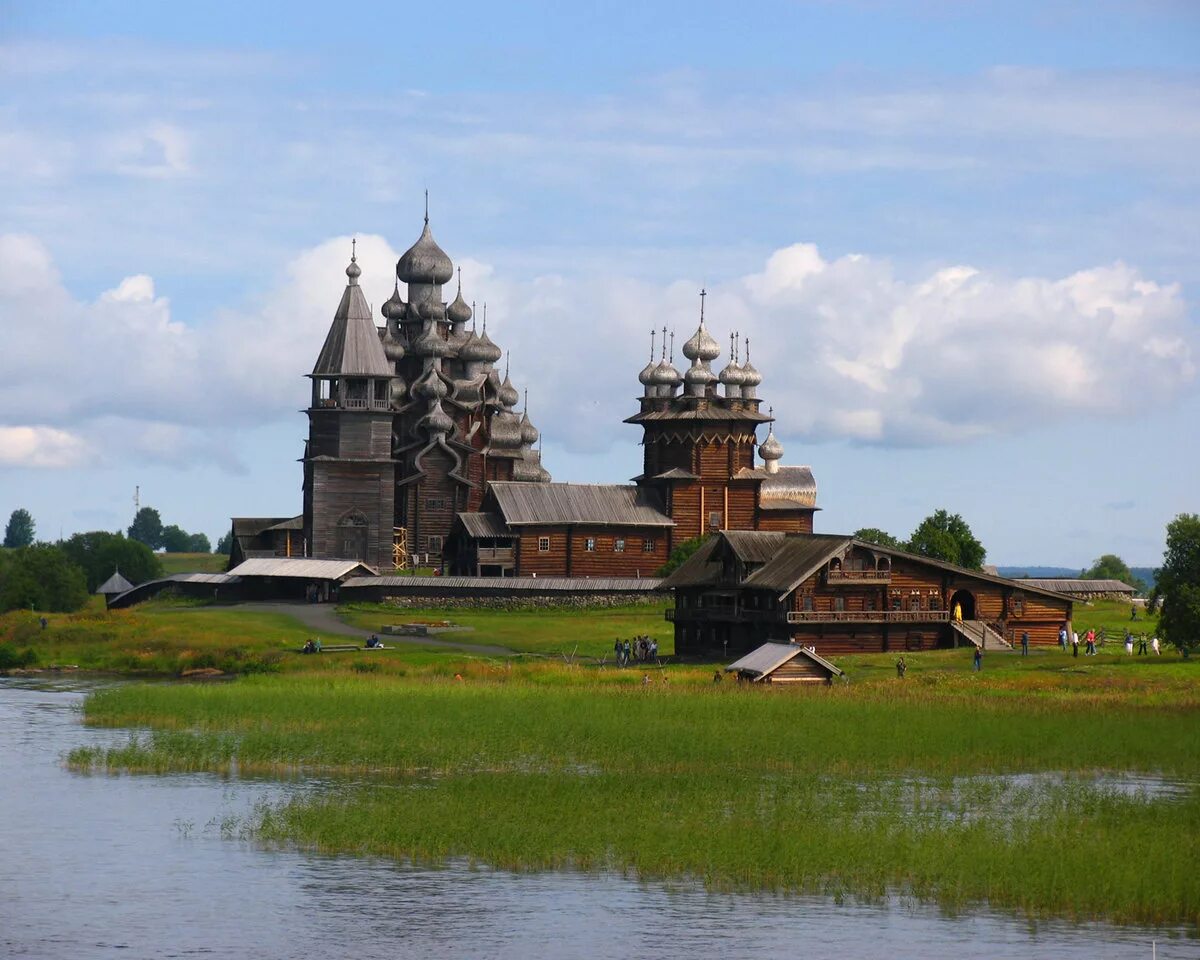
130,867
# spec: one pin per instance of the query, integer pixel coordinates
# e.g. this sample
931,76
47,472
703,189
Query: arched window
353,533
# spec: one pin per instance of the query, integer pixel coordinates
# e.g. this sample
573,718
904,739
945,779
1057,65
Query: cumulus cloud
40,446
849,350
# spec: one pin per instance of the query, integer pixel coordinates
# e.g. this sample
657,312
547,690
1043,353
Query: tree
199,543
1177,586
681,554
99,553
1112,567
875,535
175,539
19,532
147,528
946,536
41,577
225,544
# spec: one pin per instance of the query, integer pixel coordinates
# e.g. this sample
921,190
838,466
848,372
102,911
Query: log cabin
841,595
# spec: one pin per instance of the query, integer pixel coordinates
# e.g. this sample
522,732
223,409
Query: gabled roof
524,504
771,656
697,570
484,525
352,346
797,556
253,526
1076,585
114,584
303,567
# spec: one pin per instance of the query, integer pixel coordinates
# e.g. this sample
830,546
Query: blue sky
961,236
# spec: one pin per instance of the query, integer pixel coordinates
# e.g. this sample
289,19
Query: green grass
193,563
839,790
588,632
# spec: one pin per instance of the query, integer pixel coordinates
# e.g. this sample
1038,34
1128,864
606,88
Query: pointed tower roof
114,584
352,346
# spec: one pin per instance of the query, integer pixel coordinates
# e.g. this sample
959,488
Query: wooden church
418,455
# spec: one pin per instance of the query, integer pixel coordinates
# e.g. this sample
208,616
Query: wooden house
842,595
784,663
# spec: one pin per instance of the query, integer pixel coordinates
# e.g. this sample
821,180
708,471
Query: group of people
312,645
1091,638
639,650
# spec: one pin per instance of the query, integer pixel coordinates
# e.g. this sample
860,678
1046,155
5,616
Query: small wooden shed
113,586
784,663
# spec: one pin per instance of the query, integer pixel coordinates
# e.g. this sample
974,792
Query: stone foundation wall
554,601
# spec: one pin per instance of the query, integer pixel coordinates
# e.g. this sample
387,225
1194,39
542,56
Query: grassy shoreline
858,790
949,785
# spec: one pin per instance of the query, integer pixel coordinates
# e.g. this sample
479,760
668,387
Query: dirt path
323,618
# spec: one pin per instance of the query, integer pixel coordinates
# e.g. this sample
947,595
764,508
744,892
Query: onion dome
396,391
432,310
504,431
507,394
424,261
665,374
732,375
770,449
436,420
431,386
354,271
750,376
393,349
529,433
701,345
474,350
646,377
491,352
699,374
393,306
430,344
458,311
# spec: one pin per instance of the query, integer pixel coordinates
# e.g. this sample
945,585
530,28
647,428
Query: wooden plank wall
799,670
604,561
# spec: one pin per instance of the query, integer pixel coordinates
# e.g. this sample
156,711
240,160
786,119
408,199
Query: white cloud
847,348
158,151
40,446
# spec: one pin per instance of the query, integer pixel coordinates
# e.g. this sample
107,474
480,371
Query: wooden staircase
980,634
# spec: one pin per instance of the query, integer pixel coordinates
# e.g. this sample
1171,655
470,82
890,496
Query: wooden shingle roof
114,584
771,656
484,525
524,504
352,346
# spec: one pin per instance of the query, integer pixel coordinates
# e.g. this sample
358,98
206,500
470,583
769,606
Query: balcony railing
868,616
358,403
858,576
722,613
495,553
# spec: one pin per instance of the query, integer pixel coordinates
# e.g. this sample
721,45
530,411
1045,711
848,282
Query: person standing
1091,643
1141,645
1075,643
1128,643
978,660
1154,646
901,667
1024,643
1062,638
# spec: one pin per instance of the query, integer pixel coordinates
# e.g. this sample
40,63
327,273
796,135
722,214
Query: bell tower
349,473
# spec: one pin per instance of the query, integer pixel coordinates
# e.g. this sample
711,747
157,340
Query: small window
896,603
914,603
935,602
807,603
435,544
839,603
647,546
543,544
435,503
714,520
870,603
590,544
1018,605
619,545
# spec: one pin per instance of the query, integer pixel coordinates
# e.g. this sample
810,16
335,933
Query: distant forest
1145,574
